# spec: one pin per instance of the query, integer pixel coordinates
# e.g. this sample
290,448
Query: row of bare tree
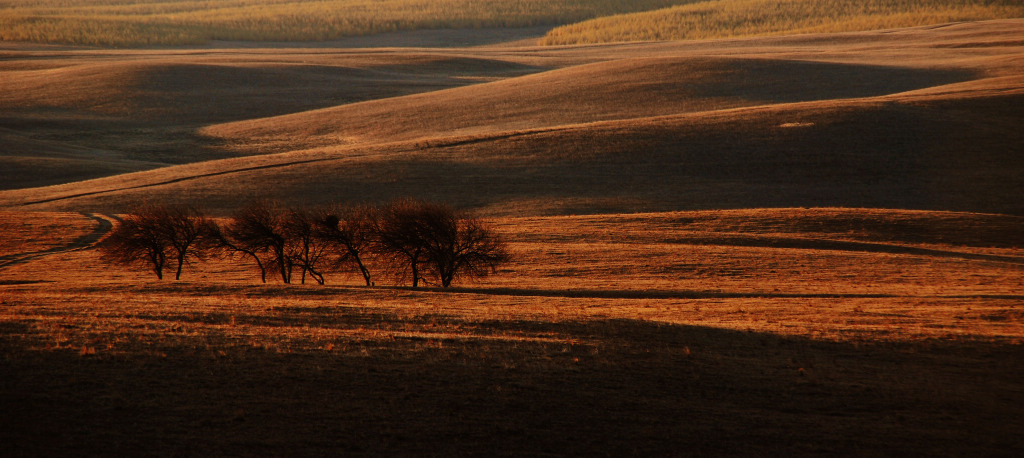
427,242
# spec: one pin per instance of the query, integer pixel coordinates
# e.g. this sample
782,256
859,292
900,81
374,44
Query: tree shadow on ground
609,387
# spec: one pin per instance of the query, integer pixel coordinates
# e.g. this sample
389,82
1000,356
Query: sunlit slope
952,148
738,18
614,90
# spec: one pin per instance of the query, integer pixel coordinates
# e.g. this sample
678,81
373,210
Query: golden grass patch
741,18
150,22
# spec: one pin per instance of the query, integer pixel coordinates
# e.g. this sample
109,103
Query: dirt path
104,224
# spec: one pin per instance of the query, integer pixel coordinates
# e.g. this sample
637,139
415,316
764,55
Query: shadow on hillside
612,387
460,67
873,156
787,81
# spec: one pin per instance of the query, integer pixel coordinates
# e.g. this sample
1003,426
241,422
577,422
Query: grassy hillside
181,22
824,120
737,18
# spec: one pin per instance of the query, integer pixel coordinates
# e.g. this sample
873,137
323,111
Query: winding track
104,224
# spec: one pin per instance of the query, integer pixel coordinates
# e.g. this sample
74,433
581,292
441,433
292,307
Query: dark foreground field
602,387
767,332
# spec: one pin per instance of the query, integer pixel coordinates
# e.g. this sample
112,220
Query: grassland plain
739,18
791,331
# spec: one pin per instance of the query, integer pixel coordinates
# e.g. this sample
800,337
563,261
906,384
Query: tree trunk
181,263
263,270
305,260
284,266
365,272
415,275
158,265
317,276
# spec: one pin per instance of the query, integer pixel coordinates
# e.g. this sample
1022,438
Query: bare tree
153,233
461,246
354,231
189,233
402,236
308,248
257,231
137,240
429,238
413,238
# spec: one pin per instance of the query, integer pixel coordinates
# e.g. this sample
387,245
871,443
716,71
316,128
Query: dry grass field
800,246
797,332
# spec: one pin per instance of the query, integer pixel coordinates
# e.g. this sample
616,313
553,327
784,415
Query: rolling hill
67,116
921,118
